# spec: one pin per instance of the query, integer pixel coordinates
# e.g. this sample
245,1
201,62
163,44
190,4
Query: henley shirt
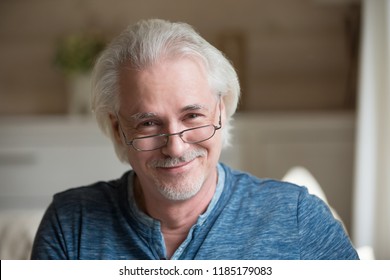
247,218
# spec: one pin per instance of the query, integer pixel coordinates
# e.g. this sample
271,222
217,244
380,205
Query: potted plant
75,56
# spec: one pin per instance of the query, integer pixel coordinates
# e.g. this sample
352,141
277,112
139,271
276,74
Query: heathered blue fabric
248,218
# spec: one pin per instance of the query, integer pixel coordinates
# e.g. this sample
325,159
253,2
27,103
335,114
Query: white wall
42,156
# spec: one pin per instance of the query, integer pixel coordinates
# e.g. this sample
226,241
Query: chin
180,190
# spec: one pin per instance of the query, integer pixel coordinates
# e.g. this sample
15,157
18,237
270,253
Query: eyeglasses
193,135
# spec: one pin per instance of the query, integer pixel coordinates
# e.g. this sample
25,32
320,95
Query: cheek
213,147
138,160
216,148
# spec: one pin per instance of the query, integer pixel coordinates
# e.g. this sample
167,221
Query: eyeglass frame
167,135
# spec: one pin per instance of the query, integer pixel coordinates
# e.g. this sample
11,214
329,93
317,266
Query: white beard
181,192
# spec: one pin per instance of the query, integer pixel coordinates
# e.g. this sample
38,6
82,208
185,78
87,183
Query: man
165,96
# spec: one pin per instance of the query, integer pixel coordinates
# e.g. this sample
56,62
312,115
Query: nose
175,146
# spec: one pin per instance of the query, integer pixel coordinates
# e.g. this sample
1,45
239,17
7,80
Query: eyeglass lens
191,136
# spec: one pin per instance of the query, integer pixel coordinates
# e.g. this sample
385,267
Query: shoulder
79,216
248,185
97,194
259,197
276,197
291,211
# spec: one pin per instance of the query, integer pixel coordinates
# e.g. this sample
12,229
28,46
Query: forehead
168,85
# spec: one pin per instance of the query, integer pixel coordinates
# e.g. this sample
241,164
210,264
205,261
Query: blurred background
315,94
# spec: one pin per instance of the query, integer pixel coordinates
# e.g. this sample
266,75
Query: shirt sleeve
321,235
49,243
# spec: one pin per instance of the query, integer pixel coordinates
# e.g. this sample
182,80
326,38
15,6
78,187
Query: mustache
173,161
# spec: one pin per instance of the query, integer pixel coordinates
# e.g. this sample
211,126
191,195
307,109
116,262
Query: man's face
169,97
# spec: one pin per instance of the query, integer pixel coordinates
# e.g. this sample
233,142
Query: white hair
142,45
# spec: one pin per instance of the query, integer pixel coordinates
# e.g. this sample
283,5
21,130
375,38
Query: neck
176,217
175,214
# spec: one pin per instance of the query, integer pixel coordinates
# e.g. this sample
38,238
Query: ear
116,132
223,111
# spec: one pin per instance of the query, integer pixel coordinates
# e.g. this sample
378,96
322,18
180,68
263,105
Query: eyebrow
142,116
147,115
194,107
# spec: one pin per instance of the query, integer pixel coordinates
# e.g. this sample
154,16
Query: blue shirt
248,218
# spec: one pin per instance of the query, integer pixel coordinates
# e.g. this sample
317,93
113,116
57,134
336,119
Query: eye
193,116
194,119
148,124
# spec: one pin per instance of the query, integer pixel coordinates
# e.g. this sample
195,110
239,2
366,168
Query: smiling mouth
177,166
180,167
178,162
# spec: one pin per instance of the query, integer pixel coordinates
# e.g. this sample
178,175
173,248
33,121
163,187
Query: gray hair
143,45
